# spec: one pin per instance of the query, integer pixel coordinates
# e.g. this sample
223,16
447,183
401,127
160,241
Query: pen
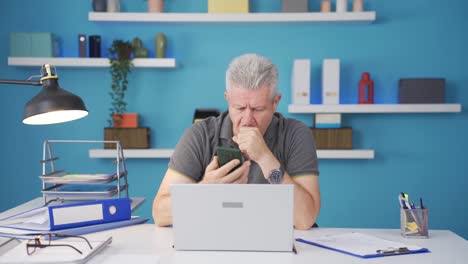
404,200
421,203
402,203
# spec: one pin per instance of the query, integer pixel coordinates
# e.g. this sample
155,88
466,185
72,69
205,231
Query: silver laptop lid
251,217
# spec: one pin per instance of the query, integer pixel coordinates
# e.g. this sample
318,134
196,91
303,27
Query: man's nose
247,118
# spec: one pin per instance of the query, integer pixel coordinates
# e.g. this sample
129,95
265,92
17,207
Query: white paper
57,254
358,244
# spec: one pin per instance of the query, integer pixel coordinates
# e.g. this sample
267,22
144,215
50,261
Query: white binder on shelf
300,82
331,81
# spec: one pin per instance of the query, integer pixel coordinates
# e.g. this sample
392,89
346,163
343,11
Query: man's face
251,108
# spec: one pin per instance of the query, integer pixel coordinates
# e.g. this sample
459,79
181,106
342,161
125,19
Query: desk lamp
52,104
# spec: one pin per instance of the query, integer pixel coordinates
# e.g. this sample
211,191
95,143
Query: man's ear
276,101
226,96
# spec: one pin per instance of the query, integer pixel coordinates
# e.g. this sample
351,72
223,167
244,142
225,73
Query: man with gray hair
277,150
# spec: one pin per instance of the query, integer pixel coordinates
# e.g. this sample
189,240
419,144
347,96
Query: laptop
239,217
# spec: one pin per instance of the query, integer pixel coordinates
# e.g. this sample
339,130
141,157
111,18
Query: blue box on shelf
34,44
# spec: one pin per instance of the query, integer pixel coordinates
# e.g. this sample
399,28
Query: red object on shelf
366,96
125,120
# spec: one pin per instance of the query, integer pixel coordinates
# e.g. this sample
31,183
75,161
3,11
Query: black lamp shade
53,105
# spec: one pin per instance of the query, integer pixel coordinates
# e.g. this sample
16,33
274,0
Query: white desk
147,239
138,244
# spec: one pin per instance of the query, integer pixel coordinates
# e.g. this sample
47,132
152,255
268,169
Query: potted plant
120,60
123,126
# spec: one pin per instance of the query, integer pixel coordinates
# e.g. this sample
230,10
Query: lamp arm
35,83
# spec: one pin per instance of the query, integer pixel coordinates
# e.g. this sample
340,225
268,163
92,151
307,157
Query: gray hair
252,72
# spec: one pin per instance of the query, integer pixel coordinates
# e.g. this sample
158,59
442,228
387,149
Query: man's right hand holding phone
223,174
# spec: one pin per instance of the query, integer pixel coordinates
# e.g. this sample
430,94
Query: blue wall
421,154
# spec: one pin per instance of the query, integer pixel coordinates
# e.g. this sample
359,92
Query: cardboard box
228,6
130,138
34,44
333,138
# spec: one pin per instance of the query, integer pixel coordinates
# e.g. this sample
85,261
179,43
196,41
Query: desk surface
141,243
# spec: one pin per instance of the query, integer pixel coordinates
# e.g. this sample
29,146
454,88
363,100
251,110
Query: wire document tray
59,185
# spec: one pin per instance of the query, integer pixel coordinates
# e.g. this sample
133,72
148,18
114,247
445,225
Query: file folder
70,215
362,245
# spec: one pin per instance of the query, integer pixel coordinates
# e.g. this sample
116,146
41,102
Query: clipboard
362,245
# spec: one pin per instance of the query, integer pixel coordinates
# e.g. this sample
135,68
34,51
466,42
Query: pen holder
413,223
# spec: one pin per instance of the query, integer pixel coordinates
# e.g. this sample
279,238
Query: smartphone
226,154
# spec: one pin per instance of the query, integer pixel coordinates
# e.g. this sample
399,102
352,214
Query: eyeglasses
44,240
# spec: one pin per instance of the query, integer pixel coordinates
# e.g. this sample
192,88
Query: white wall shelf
132,153
345,154
88,62
374,108
166,153
331,17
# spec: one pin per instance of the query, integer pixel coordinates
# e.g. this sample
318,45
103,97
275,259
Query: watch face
276,176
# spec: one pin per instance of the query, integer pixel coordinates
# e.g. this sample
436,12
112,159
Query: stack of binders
70,218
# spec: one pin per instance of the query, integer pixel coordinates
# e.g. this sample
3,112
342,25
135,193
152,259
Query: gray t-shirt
289,140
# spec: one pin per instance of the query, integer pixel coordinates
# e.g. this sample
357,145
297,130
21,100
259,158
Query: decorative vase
113,5
160,45
138,50
156,6
95,46
99,5
341,6
366,96
358,6
325,6
141,53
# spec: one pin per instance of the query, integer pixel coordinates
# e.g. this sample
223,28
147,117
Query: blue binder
25,234
57,217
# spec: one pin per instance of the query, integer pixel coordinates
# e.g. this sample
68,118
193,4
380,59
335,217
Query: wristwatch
276,176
